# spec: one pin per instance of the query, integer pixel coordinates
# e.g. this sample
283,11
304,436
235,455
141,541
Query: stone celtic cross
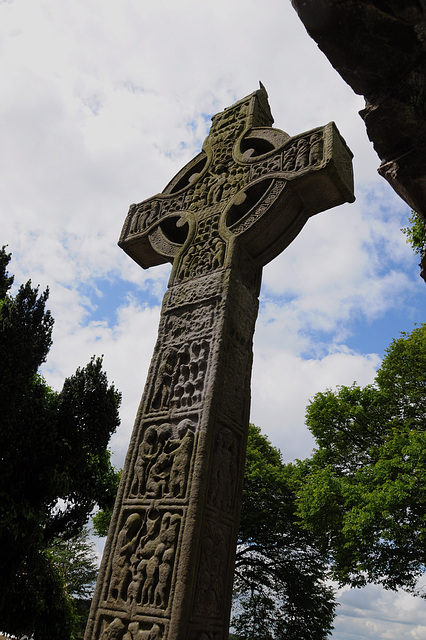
167,569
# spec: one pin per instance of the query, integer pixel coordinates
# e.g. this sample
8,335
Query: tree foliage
102,518
76,562
279,588
54,458
416,233
364,489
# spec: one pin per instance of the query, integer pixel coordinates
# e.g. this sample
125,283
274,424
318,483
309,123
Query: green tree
415,233
55,465
364,489
279,585
76,562
102,518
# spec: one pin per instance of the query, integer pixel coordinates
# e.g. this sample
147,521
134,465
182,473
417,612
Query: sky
102,103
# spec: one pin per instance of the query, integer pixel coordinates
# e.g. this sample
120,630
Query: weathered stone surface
167,569
379,48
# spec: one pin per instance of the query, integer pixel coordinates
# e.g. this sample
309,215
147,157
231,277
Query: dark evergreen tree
55,464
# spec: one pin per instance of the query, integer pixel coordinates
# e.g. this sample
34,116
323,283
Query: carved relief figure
145,549
152,564
154,634
162,466
126,545
190,383
181,458
135,215
201,368
162,389
207,251
315,152
146,455
302,157
164,576
289,158
215,192
114,630
133,632
217,254
156,483
151,575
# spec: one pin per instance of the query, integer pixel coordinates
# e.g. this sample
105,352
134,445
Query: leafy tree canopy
364,489
54,458
415,233
279,588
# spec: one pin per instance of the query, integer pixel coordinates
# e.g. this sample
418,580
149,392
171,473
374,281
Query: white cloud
372,612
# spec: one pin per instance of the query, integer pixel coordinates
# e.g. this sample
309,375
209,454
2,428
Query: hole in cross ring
175,232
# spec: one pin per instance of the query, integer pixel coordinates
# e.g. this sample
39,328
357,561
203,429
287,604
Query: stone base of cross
167,568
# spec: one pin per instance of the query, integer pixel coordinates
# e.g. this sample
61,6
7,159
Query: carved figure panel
113,630
143,567
191,293
302,153
189,385
189,323
126,544
181,376
152,563
142,215
163,461
207,251
118,629
237,366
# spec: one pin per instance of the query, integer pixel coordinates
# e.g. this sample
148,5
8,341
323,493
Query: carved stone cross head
251,183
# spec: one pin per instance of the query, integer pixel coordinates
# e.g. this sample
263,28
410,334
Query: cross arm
302,176
155,229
